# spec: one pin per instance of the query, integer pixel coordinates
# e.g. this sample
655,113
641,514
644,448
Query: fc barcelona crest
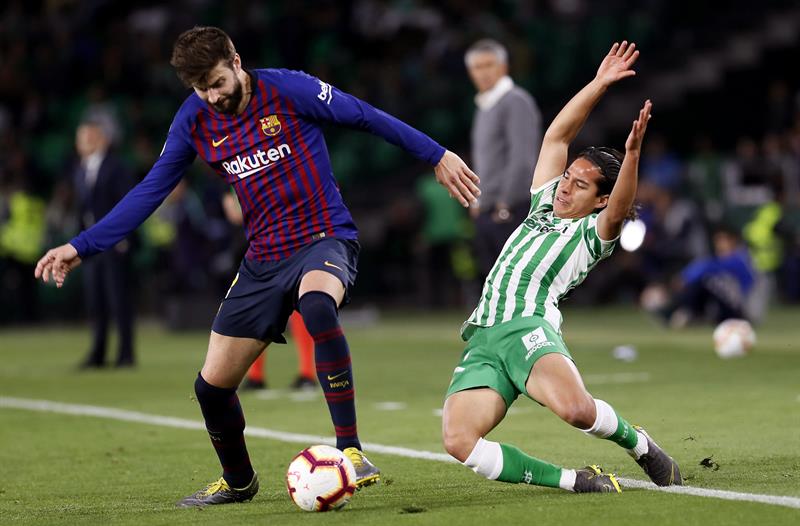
270,125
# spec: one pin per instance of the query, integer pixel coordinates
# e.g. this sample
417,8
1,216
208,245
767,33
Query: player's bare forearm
569,121
622,196
563,130
609,223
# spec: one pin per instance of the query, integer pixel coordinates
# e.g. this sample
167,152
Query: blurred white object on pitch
632,235
733,338
626,353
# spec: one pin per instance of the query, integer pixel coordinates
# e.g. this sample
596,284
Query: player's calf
457,443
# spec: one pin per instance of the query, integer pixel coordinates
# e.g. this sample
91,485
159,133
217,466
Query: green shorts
501,357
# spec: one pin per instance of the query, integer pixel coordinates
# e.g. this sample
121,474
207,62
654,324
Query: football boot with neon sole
591,479
367,473
659,466
220,492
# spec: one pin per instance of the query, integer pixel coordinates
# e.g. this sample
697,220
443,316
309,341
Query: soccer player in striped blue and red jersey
260,130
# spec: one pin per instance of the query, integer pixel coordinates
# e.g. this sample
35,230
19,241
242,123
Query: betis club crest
270,125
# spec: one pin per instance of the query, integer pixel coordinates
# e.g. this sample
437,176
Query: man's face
89,138
485,70
725,244
223,90
576,195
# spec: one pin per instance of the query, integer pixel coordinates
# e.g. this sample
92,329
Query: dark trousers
107,286
490,236
718,297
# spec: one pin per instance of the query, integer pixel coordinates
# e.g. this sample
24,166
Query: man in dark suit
101,180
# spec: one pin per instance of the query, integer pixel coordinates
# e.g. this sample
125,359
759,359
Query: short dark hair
728,230
198,51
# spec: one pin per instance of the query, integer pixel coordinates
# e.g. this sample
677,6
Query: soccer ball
733,338
321,478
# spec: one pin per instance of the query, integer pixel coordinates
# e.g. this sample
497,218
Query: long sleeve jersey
273,155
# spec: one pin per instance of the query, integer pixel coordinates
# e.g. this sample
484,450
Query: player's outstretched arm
324,102
569,121
454,174
609,222
57,263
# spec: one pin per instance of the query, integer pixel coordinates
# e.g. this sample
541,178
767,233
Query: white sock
605,424
567,481
486,459
641,446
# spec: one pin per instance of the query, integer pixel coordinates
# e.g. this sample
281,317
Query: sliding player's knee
459,443
579,412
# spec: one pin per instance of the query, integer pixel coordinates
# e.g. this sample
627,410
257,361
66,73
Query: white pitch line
260,432
390,406
776,500
111,413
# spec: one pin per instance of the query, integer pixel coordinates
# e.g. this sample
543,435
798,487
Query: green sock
625,435
519,467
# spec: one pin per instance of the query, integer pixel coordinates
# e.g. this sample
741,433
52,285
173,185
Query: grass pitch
743,415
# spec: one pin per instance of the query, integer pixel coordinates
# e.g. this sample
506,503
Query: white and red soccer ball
321,478
733,338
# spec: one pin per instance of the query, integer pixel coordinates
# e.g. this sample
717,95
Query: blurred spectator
442,241
22,231
782,168
177,230
747,178
778,115
61,218
101,179
715,288
660,166
765,240
675,232
506,132
705,179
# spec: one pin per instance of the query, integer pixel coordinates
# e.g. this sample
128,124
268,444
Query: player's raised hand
618,63
56,264
460,181
634,142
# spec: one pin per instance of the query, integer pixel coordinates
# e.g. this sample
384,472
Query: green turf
60,469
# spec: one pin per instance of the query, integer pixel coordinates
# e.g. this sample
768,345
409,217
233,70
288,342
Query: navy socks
332,357
225,425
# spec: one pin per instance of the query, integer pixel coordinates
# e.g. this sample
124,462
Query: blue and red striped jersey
274,156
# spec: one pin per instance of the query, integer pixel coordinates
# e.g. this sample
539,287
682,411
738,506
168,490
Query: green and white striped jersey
541,261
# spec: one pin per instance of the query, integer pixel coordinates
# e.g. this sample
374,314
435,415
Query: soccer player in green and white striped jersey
514,343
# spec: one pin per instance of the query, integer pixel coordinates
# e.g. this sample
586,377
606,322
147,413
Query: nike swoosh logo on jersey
329,264
334,377
217,143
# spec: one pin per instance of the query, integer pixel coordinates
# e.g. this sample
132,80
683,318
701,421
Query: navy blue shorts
264,293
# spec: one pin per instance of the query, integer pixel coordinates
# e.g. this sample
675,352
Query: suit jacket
113,181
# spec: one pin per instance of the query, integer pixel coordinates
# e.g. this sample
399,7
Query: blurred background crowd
722,154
